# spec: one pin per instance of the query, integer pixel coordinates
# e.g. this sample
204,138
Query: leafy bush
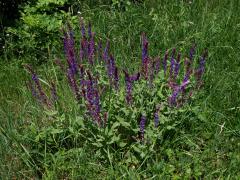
119,115
37,30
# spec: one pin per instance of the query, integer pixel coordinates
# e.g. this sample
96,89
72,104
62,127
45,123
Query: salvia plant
123,107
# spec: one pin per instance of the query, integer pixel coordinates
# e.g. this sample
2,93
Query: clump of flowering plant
131,107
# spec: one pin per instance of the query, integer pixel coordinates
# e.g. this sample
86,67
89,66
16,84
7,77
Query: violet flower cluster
129,79
142,124
93,99
84,83
37,90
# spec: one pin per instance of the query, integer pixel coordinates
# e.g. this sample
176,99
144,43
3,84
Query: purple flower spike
177,66
172,64
129,83
142,126
135,77
173,97
116,78
200,70
152,72
93,99
73,83
177,91
192,52
83,49
145,67
81,74
69,51
99,50
165,62
144,48
71,35
32,88
188,69
91,49
111,66
128,87
42,96
106,50
82,26
157,64
156,117
89,30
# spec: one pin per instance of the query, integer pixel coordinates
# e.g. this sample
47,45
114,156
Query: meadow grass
207,148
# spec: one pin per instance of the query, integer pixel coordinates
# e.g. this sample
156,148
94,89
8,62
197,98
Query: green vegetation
59,139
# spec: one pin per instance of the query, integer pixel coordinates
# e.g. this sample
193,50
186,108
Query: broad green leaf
122,144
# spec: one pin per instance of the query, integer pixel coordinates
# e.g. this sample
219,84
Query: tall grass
205,145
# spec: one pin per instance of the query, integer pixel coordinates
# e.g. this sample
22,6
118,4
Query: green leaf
114,139
122,144
136,149
50,113
98,144
123,122
56,131
116,124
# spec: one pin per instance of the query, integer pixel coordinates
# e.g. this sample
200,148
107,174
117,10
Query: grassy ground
209,149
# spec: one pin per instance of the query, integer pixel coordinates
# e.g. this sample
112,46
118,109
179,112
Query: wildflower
192,52
142,126
69,50
81,74
177,66
187,64
172,63
99,50
129,83
83,31
134,77
33,90
83,48
165,62
111,66
93,100
91,49
200,70
42,96
145,67
116,78
152,72
157,64
144,48
106,50
128,88
89,30
156,117
73,83
176,91
173,97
